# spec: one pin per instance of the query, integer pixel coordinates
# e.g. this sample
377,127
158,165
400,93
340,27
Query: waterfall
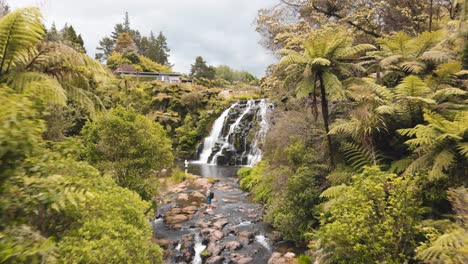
237,135
209,141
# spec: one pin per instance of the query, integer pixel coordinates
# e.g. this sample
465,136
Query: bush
130,147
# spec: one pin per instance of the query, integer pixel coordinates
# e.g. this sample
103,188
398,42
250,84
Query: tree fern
20,31
438,144
358,157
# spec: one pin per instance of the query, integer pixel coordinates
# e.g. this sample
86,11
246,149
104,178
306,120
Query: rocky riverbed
231,232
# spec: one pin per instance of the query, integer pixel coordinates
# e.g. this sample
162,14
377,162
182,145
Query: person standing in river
209,198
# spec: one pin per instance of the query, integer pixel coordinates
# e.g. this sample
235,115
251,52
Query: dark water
214,171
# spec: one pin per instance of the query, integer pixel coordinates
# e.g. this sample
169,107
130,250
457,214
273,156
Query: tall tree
162,56
69,35
125,42
201,70
325,56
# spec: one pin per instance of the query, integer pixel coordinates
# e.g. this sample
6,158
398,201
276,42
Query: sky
221,31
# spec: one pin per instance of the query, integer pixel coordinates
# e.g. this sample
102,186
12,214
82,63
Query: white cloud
221,31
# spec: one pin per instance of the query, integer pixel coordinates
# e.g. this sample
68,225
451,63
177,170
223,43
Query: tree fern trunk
325,119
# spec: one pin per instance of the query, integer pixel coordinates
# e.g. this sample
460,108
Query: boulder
289,255
275,236
240,259
233,245
198,195
219,224
202,224
182,197
203,183
217,235
175,219
215,249
206,232
215,260
190,209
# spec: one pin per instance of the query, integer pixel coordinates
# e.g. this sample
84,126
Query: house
128,70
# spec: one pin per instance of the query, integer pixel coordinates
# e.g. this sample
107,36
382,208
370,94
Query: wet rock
182,197
198,195
190,209
219,224
215,260
202,224
203,183
175,219
164,243
233,245
278,258
240,259
275,236
217,235
215,249
174,211
246,237
205,232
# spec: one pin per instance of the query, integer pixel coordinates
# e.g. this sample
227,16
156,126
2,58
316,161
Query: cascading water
237,134
199,247
209,141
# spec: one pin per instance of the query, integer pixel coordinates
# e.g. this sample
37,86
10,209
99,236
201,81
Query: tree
69,35
125,42
201,70
106,46
440,146
130,146
162,57
325,56
51,72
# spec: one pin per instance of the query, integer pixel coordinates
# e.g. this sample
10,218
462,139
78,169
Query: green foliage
177,175
20,131
439,146
130,146
374,219
292,213
56,209
304,259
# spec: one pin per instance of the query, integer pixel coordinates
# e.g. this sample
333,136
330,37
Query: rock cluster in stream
224,243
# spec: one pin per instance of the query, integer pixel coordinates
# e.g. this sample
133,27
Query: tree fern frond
354,50
435,56
425,41
20,31
358,157
442,162
321,62
334,87
413,66
390,60
463,148
38,85
442,94
334,191
400,165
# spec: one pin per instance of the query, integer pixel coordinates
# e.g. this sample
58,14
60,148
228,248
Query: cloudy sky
221,31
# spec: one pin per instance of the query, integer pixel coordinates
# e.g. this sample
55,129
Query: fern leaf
20,31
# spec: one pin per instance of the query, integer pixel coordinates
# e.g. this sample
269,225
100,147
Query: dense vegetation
366,159
368,154
82,152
